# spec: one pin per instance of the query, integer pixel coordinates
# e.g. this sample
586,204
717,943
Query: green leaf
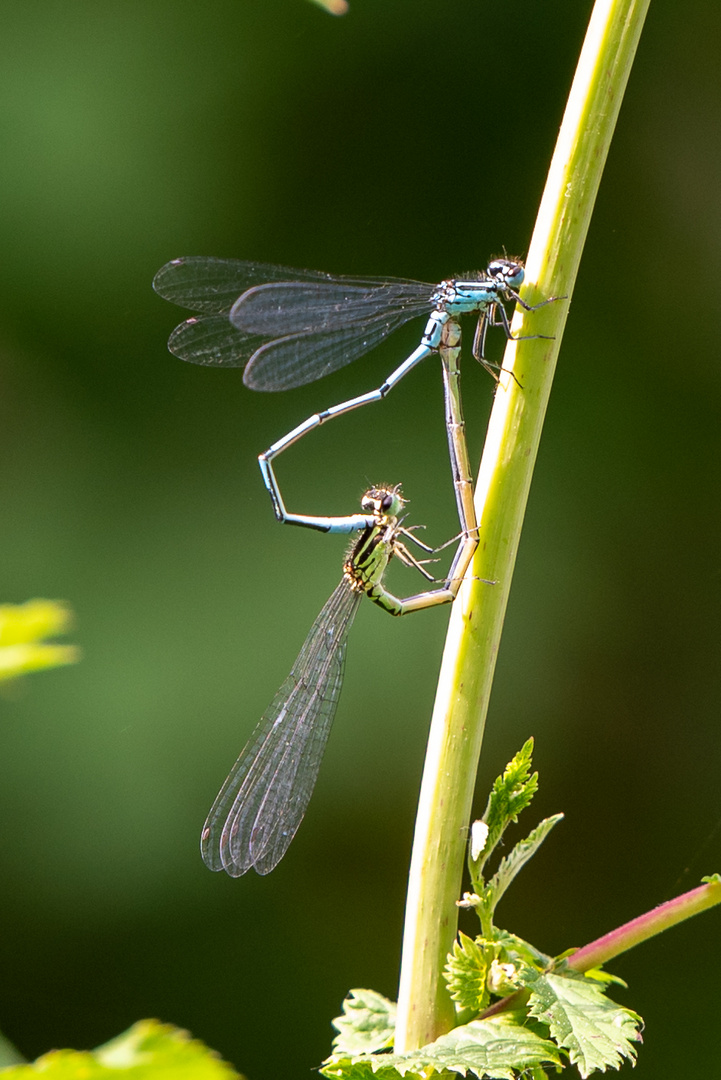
518,951
22,628
372,1067
147,1051
492,1049
510,794
466,972
9,1054
21,659
596,1032
603,977
33,620
368,1023
515,861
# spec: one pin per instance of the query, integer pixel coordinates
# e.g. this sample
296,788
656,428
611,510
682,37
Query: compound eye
387,501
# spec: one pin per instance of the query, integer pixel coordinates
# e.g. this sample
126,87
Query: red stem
625,937
646,926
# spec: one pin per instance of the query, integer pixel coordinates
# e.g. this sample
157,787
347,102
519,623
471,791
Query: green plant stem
424,1007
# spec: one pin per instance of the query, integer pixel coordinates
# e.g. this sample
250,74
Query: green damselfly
261,804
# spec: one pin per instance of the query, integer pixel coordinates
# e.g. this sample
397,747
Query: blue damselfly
288,327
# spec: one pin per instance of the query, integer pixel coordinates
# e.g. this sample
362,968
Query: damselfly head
383,501
508,272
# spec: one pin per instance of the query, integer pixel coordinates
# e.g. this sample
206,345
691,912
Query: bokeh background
408,138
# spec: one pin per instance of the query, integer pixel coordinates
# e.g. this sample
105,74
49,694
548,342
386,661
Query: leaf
147,1051
33,620
466,972
333,7
515,861
22,628
520,952
510,794
492,1049
603,977
21,659
372,1067
368,1023
595,1031
9,1055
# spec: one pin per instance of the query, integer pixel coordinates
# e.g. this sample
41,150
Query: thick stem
424,1007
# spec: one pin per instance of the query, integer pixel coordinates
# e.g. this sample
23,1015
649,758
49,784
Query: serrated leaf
596,1032
518,951
510,794
363,1068
516,860
466,972
147,1051
492,1049
368,1023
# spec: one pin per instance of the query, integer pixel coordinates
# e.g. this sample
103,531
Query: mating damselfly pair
287,328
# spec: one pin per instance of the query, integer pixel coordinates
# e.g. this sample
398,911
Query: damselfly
288,327
262,802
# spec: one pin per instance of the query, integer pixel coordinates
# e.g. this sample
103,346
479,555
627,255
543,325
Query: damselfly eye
387,502
515,275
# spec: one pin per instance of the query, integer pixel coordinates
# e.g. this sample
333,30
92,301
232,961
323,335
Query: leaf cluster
511,793
492,1049
552,1016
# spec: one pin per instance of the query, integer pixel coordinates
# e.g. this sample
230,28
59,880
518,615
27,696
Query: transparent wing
317,323
301,358
213,341
262,803
292,307
203,283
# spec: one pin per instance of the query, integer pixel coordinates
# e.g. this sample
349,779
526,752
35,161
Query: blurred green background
408,138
